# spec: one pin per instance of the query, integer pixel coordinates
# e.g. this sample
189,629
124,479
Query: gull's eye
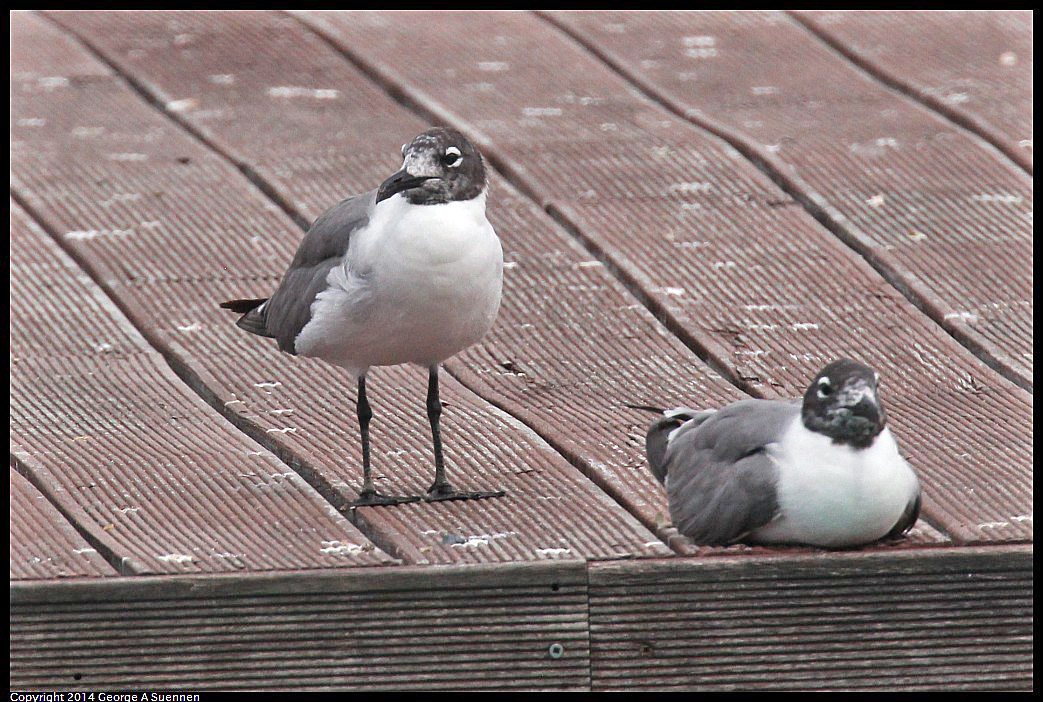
824,388
452,157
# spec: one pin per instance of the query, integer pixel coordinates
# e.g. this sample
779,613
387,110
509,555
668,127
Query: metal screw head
556,650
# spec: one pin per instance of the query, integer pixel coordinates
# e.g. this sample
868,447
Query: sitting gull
824,471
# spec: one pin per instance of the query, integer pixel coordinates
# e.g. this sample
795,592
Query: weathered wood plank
973,66
712,243
940,619
900,184
179,229
157,478
43,544
473,627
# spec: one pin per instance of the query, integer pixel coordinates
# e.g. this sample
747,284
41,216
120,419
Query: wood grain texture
934,619
975,67
177,228
473,627
946,619
716,247
43,544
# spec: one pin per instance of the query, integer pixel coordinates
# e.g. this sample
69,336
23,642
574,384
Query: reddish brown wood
713,245
180,229
974,66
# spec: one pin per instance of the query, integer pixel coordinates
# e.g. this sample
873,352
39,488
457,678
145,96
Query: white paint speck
1008,58
120,197
52,82
482,539
195,326
183,105
875,201
692,187
541,111
1004,198
96,233
700,40
221,78
337,548
176,558
31,122
493,66
291,91
126,156
553,551
273,384
284,430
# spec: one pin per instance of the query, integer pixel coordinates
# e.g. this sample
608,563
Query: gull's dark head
438,166
842,403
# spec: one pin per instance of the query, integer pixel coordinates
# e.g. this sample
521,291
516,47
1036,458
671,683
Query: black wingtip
242,306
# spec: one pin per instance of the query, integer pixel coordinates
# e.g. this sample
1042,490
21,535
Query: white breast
420,283
833,495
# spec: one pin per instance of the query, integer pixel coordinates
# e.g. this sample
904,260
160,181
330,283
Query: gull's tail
657,440
253,311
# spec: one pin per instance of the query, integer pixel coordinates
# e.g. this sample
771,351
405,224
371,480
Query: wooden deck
694,208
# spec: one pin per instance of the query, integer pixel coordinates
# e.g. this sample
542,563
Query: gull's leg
369,496
441,489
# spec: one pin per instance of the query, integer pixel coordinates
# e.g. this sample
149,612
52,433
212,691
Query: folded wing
720,481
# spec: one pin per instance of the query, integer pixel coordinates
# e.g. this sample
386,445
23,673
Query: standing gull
408,273
824,471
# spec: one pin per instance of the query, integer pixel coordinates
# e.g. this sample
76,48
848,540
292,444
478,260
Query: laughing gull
824,471
408,273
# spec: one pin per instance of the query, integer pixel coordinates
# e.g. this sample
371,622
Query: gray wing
323,247
720,480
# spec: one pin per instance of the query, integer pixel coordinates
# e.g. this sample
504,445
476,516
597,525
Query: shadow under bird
408,273
822,471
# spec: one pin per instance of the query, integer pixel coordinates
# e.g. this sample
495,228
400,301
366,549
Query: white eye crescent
452,157
824,388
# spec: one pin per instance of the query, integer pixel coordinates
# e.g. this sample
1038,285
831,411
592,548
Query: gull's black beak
402,180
